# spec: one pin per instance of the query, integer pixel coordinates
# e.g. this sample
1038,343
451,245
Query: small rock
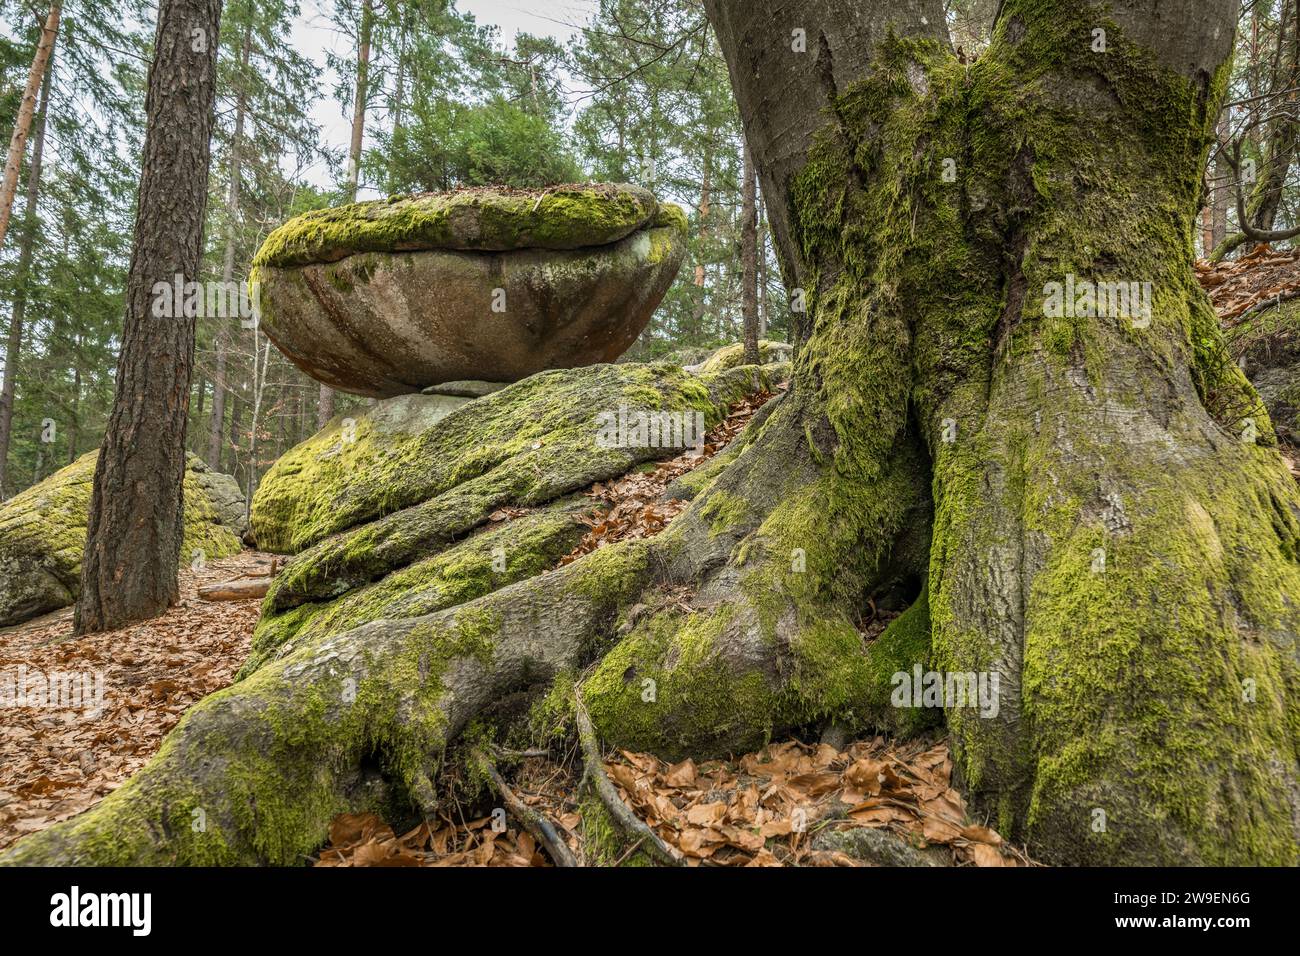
879,848
466,388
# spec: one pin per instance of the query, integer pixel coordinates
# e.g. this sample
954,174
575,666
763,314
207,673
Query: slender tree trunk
288,414
325,405
697,317
236,428
228,259
399,85
13,346
1280,146
136,513
763,313
74,420
1277,139
1221,195
359,102
218,407
201,396
749,262
26,109
260,364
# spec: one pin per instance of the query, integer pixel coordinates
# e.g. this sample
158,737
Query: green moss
611,575
501,554
670,215
903,644
723,511
1128,677
733,355
908,271
397,496
551,719
256,772
665,688
691,484
603,842
715,680
566,217
43,536
1154,620
527,443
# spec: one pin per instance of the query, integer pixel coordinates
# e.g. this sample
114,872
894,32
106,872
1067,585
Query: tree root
594,775
535,823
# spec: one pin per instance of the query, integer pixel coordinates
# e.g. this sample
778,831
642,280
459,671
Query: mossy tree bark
1111,533
1059,498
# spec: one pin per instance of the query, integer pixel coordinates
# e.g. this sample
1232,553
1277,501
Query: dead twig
535,823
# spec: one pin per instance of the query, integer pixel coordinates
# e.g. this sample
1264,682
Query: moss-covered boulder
43,532
391,514
733,356
389,297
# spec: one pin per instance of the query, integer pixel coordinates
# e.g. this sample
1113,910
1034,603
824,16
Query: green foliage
659,112
449,144
79,231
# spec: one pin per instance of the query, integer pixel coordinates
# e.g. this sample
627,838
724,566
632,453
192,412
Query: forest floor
54,763
1258,278
767,808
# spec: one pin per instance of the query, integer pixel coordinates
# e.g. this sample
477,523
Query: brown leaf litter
763,809
54,763
633,501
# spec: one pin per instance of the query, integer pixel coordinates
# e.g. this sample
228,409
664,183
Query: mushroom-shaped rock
390,297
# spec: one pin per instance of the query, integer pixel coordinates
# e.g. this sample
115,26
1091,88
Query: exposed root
535,823
594,774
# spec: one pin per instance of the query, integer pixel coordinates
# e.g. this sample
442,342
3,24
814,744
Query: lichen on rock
43,533
491,219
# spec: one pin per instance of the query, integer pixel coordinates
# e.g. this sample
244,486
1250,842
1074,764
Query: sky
314,36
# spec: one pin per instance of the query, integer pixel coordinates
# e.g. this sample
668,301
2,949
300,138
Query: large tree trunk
23,123
134,537
26,246
1086,548
1063,502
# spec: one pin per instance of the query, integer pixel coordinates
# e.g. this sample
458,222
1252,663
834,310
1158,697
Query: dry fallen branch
535,823
236,589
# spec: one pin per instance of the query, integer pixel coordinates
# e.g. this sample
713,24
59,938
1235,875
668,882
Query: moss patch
43,536
493,219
